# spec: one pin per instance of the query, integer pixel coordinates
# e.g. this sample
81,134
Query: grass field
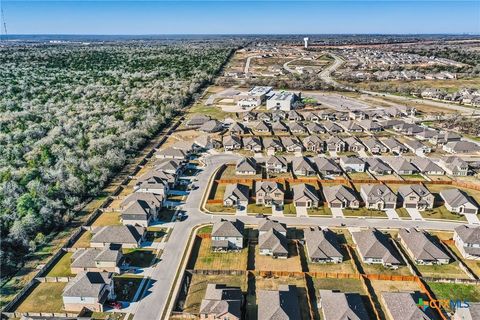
206,259
62,267
218,207
470,293
198,286
451,270
347,266
363,212
255,209
403,214
289,209
84,240
268,263
359,175
320,211
107,219
45,297
474,265
343,285
442,213
394,286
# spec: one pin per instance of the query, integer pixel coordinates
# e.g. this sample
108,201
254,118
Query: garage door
389,206
469,211
301,204
336,205
410,205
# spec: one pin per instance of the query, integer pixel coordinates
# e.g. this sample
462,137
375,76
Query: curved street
156,303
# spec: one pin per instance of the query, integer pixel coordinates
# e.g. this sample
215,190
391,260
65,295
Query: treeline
70,116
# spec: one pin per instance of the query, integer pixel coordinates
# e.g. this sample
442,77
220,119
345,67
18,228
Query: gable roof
422,245
274,241
281,304
455,197
342,306
267,224
87,284
220,300
151,198
339,192
299,163
118,234
226,228
325,164
378,192
374,244
418,189
302,189
237,190
321,243
402,306
426,165
86,258
275,160
268,186
261,126
468,234
246,164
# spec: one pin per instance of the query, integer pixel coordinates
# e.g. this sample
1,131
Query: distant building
281,101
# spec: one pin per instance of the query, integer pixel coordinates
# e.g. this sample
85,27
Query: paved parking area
415,214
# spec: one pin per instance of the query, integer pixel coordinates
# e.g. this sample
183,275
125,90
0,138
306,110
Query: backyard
126,286
268,263
45,297
62,267
203,258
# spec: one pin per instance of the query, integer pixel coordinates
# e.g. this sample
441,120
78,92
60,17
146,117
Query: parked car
115,304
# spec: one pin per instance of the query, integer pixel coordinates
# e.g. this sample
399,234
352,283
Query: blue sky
244,17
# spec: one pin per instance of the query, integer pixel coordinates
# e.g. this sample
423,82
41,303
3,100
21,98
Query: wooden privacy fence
334,275
424,289
388,277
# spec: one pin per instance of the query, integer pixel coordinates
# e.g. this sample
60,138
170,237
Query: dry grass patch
387,177
45,297
84,240
451,270
110,218
63,266
474,265
209,260
268,263
343,285
442,213
393,286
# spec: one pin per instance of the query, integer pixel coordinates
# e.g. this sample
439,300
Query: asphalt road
154,303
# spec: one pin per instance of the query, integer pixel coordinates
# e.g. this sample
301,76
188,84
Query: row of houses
468,96
310,166
374,196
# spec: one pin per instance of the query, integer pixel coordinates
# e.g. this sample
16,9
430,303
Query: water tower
305,40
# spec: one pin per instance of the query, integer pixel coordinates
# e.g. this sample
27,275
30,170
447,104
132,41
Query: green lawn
140,258
45,297
126,286
403,214
363,212
62,267
343,285
320,211
107,219
451,270
289,209
206,259
254,208
218,207
470,293
442,213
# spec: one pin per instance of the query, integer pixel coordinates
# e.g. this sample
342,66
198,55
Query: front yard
319,211
364,212
259,209
403,214
442,213
140,258
126,286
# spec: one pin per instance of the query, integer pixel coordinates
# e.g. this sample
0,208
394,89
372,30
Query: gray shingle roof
422,245
278,305
240,191
267,224
118,234
220,300
339,192
378,192
87,284
274,241
321,244
374,244
342,306
402,306
86,258
469,234
246,164
302,189
227,228
454,197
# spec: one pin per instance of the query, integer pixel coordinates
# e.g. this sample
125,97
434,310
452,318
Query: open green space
45,297
62,267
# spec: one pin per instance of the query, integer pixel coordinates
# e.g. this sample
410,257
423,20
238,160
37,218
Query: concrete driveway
302,212
392,214
415,214
337,212
472,218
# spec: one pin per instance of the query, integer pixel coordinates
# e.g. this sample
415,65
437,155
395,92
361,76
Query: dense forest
71,115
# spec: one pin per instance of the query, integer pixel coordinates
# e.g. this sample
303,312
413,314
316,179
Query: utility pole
4,24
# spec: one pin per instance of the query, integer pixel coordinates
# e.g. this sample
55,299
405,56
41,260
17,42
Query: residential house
261,127
276,164
264,116
374,146
377,166
461,147
88,290
335,144
153,184
378,197
139,213
227,235
351,126
374,247
332,127
403,306
237,128
327,167
236,195
352,164
313,144
342,306
174,167
297,128
301,166
311,116
322,246
305,196
249,116
353,144
339,196
279,126
272,145
409,129
457,201
278,115
197,120
153,200
426,134
422,248
171,153
455,166
470,313
266,224
394,146
415,196
127,236
400,165
107,259
211,126
246,166
281,101
370,125
442,138
467,241
281,304
252,143
269,193
221,302
293,115
231,143
170,176
427,166
292,144
417,147
273,243
315,128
